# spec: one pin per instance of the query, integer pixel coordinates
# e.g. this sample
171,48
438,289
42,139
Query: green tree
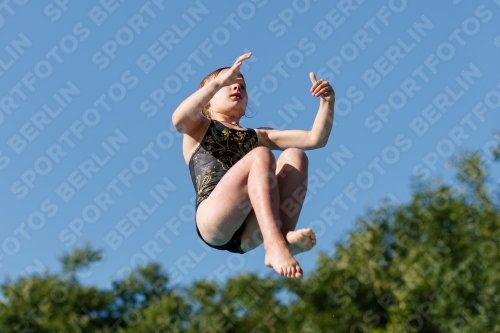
242,304
143,302
55,303
59,303
429,265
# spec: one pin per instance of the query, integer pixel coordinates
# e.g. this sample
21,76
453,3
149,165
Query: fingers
323,91
312,77
316,83
320,87
242,58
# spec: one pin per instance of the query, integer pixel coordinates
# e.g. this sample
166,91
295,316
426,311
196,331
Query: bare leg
253,178
292,171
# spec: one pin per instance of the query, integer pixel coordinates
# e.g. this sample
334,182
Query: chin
239,108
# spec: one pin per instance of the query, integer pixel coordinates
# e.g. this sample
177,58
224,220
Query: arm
317,137
187,118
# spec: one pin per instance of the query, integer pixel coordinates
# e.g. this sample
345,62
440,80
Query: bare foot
300,240
282,262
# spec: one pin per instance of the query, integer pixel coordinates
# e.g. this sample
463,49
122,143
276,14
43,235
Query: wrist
218,82
329,102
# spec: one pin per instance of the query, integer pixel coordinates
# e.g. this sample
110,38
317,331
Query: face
230,100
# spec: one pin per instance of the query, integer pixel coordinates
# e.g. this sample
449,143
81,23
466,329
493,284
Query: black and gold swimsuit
218,151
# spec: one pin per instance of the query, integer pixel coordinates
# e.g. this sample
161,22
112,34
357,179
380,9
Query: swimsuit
218,151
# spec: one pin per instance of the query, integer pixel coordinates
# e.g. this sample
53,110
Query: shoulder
263,136
263,132
192,140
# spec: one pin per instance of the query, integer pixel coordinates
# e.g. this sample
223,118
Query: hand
322,88
233,74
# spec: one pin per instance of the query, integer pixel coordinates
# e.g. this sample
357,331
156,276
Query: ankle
275,245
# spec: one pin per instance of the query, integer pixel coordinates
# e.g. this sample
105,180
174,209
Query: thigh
295,159
227,207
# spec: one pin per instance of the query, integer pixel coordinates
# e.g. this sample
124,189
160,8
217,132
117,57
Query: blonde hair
214,74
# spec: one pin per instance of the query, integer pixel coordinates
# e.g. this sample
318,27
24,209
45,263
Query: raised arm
323,122
188,117
317,137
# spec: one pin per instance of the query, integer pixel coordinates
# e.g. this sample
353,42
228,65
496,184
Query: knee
296,157
264,155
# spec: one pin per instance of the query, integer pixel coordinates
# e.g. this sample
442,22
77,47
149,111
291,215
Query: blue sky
87,91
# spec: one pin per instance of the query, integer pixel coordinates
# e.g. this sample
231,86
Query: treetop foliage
429,265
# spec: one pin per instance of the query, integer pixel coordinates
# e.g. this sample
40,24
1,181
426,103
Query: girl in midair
244,196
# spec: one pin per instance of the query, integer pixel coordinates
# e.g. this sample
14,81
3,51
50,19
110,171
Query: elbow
320,142
177,123
174,119
324,140
315,145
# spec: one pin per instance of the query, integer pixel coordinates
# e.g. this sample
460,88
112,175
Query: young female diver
244,196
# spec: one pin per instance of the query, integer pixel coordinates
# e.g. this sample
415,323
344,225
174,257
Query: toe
298,271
